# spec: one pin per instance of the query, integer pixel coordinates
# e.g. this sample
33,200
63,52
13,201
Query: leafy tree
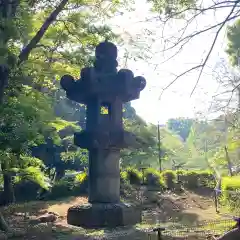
176,151
233,34
139,153
181,126
233,43
45,43
40,41
61,155
24,121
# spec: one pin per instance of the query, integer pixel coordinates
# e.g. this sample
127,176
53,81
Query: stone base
99,215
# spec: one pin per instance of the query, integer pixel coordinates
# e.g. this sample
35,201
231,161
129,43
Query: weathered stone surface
104,87
99,215
104,140
104,176
103,80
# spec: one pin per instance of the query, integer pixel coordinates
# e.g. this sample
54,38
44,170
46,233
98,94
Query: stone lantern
103,87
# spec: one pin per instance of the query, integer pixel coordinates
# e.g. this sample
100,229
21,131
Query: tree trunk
8,192
3,81
228,162
238,119
3,224
59,174
8,11
23,56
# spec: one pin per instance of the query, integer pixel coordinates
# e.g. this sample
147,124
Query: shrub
206,179
123,177
195,179
169,178
134,176
81,184
189,179
124,182
230,196
153,177
61,188
126,188
26,190
71,186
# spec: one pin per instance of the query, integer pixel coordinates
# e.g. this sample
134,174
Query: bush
134,176
189,179
60,189
125,187
123,177
206,179
230,196
195,179
67,187
81,184
124,182
26,190
153,177
170,178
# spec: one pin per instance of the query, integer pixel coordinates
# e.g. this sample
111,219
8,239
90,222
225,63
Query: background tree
181,126
40,41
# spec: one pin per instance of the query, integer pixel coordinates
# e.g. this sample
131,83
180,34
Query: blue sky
175,101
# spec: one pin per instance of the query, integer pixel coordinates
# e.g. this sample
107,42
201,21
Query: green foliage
26,190
36,113
134,176
152,177
24,120
206,179
72,186
172,8
181,126
123,176
189,179
34,174
61,189
169,178
81,183
125,186
143,152
204,140
231,192
233,44
194,179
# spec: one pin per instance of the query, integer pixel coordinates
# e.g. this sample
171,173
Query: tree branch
201,66
23,56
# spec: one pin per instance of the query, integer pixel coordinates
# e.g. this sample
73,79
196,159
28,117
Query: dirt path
184,209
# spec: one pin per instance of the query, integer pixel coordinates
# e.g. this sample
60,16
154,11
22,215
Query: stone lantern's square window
105,109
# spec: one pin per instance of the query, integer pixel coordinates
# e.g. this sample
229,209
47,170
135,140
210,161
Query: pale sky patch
175,101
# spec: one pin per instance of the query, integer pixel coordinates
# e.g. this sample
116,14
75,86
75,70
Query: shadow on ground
166,209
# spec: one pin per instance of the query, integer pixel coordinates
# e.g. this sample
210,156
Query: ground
183,210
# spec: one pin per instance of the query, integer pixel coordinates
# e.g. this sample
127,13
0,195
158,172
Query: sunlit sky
176,100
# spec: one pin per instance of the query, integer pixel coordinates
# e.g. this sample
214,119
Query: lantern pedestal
99,215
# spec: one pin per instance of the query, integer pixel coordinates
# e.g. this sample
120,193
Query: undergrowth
130,177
